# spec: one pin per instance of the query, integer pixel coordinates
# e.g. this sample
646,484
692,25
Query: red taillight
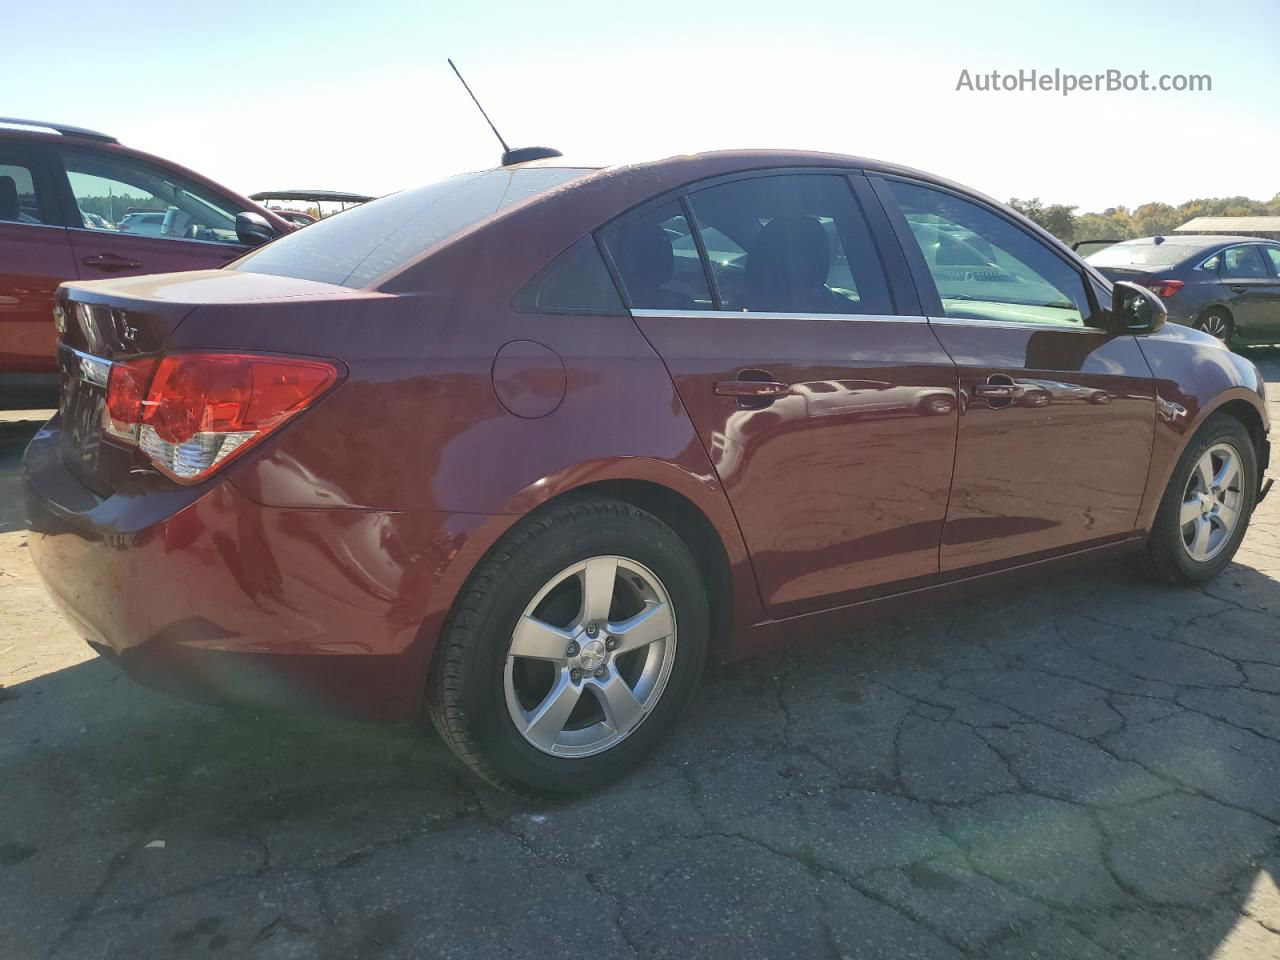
191,412
1165,288
126,389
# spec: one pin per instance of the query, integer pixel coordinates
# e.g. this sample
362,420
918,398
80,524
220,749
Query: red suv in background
75,204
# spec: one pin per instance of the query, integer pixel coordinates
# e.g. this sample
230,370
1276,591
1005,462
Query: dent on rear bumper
219,597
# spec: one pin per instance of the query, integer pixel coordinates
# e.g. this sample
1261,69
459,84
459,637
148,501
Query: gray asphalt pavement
1084,767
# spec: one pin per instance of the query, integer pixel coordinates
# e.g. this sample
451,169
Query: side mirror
252,229
1135,309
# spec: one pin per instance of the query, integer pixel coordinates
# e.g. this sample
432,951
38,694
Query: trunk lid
1132,274
104,321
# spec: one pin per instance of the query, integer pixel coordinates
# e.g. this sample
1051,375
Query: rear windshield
359,245
1143,254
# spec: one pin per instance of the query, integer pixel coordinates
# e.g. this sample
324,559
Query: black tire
466,692
1217,314
1164,557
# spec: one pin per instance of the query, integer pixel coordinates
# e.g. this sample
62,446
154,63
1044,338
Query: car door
175,224
829,414
35,256
1249,280
1057,423
1270,327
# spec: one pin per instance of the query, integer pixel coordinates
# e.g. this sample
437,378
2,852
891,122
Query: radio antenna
465,87
509,156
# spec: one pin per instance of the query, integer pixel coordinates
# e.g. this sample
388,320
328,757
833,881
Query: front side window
376,238
985,267
794,243
122,195
1243,262
657,260
19,201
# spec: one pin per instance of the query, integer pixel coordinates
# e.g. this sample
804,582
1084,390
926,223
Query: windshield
1143,254
373,239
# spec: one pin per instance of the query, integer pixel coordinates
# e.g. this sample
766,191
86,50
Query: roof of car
62,129
1189,240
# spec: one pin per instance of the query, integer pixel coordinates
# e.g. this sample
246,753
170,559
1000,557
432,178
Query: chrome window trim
94,232
1013,325
754,315
20,223
94,369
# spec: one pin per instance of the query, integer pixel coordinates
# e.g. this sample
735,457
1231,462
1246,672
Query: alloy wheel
1211,502
1215,324
590,656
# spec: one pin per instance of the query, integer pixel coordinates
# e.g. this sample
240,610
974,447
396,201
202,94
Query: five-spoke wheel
590,656
1211,503
1206,506
560,666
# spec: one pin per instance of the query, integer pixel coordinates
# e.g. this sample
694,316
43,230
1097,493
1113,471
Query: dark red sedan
528,446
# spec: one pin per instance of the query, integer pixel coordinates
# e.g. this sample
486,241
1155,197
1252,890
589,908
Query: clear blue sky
358,96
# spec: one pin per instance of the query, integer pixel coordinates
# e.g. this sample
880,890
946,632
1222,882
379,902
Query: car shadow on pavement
1081,768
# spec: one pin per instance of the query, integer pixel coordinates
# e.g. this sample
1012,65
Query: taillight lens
1165,288
126,389
189,413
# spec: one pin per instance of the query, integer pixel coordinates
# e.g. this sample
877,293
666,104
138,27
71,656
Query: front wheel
1207,506
572,650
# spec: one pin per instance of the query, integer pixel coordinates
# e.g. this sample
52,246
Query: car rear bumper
210,595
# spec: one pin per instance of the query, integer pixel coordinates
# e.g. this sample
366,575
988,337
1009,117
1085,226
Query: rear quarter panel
417,425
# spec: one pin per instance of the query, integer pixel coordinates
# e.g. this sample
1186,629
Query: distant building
1268,227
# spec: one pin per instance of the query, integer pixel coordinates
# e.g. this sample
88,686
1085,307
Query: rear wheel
1217,323
572,650
1206,508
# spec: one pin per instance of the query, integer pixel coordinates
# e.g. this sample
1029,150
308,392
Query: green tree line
1148,220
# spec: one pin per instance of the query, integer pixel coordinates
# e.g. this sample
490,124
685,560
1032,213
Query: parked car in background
76,204
1227,286
1086,247
142,224
495,446
325,203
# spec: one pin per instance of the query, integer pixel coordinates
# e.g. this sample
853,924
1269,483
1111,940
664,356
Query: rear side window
19,201
376,238
657,260
794,243
1273,254
577,281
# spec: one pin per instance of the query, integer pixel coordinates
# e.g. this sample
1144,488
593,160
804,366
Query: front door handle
110,262
994,390
752,389
1239,289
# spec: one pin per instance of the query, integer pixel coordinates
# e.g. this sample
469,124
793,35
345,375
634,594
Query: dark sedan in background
1226,286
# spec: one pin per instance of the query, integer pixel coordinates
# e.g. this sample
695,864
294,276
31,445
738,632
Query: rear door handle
752,389
1239,289
110,262
994,390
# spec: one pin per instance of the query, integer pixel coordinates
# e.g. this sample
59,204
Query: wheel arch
1216,306
1251,417
693,505
692,526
